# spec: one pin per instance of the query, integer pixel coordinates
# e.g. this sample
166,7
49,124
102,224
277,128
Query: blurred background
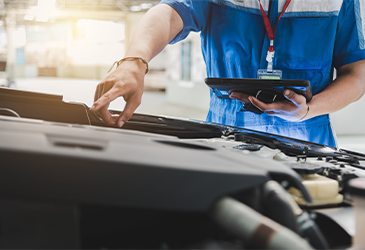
66,47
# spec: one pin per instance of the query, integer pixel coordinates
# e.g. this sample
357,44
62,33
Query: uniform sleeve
194,14
350,40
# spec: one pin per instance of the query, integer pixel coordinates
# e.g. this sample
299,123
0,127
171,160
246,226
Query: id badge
274,74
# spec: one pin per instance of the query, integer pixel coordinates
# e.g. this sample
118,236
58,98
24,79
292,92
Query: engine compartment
69,181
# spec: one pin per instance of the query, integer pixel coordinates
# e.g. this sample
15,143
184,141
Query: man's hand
294,108
156,29
126,81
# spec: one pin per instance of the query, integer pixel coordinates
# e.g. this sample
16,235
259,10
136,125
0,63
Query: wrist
139,60
305,116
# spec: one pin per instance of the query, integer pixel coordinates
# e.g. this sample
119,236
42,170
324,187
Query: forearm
156,29
348,87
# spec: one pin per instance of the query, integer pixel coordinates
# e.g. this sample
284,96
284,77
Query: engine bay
69,181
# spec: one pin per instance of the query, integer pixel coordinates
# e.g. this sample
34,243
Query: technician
303,39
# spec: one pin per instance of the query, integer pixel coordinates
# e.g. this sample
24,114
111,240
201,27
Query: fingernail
121,124
250,98
93,107
233,96
286,92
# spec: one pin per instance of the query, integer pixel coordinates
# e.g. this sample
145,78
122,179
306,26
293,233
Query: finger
258,104
97,93
297,99
239,96
115,117
274,106
106,116
105,99
128,111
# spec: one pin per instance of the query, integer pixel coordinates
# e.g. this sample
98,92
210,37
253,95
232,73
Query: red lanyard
268,27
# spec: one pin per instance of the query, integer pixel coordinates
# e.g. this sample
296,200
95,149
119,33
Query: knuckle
118,87
106,95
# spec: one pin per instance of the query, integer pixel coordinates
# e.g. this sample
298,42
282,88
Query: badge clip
270,56
270,73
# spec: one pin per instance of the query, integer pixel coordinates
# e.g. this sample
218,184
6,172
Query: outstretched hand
294,108
126,81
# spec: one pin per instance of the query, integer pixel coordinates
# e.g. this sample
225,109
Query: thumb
293,97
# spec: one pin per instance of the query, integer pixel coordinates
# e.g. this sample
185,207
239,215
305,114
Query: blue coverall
313,37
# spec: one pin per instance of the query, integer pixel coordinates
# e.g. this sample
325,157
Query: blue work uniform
313,37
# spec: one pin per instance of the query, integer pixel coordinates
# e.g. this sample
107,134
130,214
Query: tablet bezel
252,86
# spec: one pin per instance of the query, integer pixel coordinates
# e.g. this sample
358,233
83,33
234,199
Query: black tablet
267,90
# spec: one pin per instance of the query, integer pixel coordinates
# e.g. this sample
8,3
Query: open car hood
55,151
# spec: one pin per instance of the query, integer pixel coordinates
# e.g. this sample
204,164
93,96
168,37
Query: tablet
267,90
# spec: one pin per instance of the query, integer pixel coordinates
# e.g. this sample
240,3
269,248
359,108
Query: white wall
350,120
24,71
193,93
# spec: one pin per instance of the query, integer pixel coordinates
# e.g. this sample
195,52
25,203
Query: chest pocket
305,42
306,34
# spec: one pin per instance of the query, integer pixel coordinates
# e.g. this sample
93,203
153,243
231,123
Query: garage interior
68,181
66,47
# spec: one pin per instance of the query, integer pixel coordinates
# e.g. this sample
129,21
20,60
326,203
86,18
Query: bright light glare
102,31
101,42
47,5
136,8
1,23
3,38
83,23
146,5
45,9
19,37
29,17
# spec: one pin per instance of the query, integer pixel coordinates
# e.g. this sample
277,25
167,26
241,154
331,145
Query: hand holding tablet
265,90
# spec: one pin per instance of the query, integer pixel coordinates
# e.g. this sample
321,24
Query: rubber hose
280,207
283,209
254,228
